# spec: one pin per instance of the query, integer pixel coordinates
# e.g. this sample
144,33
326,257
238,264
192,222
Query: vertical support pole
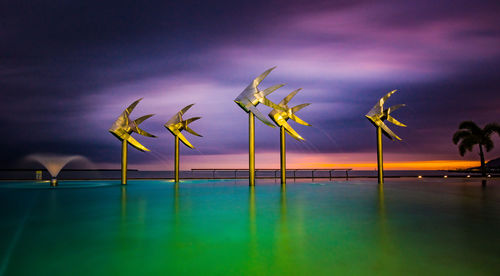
176,165
124,162
380,159
283,155
330,174
251,149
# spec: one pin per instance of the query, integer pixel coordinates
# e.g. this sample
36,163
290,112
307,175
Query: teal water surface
223,227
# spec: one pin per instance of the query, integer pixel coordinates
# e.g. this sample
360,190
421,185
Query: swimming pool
223,227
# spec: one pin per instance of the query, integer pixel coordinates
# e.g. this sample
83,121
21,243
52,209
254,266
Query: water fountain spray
54,163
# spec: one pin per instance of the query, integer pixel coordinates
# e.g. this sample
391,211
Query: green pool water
201,227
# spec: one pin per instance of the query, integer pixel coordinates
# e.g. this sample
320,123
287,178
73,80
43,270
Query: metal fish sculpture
123,127
281,116
177,124
377,115
252,96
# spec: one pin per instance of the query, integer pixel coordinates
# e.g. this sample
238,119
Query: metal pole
283,155
380,159
251,149
176,176
124,162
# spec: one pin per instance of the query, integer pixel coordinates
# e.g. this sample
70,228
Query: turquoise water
202,227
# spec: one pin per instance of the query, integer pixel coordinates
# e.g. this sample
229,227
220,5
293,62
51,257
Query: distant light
489,175
419,176
445,176
468,176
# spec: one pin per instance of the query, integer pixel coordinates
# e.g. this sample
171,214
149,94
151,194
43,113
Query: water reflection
176,199
387,256
252,223
123,203
284,248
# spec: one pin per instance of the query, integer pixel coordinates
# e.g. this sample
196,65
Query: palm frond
467,144
488,145
461,150
470,125
461,134
491,128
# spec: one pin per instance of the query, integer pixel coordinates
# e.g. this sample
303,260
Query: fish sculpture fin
260,116
299,107
292,131
391,135
131,107
289,97
184,140
134,143
298,120
262,76
142,119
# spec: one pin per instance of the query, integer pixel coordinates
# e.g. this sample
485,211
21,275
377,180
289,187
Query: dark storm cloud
70,67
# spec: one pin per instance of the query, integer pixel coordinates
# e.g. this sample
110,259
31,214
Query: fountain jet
54,163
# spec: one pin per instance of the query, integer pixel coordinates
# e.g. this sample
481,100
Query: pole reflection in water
387,249
252,222
284,248
256,255
123,202
283,203
176,199
133,211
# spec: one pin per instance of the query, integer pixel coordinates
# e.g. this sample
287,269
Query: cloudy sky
69,68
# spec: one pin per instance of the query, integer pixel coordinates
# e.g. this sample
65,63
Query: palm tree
469,134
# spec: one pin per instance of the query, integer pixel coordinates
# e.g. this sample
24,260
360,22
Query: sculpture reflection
377,115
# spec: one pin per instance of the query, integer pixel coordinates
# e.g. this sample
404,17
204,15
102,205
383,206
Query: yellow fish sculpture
123,127
252,96
377,115
281,116
177,124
